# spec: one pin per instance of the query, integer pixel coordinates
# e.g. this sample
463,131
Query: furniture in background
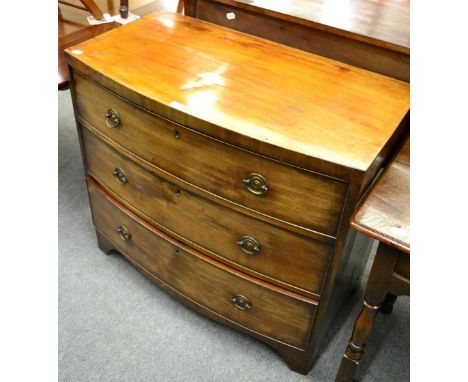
123,9
369,34
72,31
385,216
226,167
69,34
86,5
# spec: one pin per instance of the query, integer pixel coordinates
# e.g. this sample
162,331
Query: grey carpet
115,325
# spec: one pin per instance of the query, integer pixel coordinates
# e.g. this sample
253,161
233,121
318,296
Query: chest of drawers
225,167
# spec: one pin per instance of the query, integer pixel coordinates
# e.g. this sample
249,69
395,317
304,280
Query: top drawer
286,193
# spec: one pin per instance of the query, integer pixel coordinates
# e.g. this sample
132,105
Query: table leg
387,305
376,291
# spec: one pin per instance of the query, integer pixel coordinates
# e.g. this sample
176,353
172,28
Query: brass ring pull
120,176
249,245
241,302
112,118
256,184
123,233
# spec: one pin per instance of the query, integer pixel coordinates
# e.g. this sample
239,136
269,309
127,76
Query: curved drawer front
239,298
277,255
284,192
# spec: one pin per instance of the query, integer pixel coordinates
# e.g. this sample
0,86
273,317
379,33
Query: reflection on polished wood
314,202
286,97
370,34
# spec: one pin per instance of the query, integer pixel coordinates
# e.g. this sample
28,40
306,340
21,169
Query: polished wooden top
260,89
385,213
381,22
73,27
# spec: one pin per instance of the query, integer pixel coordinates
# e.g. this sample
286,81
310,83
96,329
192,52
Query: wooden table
385,216
373,35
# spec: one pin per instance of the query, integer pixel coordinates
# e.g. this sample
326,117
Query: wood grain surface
73,27
372,35
263,90
385,213
285,258
276,313
303,198
383,22
71,33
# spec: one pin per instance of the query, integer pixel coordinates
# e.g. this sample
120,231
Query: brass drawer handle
120,176
112,118
123,233
256,184
249,245
241,302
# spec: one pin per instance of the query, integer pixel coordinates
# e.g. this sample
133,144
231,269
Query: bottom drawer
254,304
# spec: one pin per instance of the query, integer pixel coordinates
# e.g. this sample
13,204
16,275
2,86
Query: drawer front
292,195
239,298
282,257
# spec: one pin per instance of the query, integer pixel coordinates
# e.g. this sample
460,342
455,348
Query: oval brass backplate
241,302
256,184
123,233
112,118
249,245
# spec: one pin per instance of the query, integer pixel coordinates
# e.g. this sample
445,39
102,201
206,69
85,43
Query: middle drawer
266,251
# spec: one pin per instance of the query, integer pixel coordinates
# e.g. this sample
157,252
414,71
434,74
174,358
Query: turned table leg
376,292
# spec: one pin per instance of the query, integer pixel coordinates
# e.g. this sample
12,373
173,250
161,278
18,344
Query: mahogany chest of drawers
374,35
225,167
